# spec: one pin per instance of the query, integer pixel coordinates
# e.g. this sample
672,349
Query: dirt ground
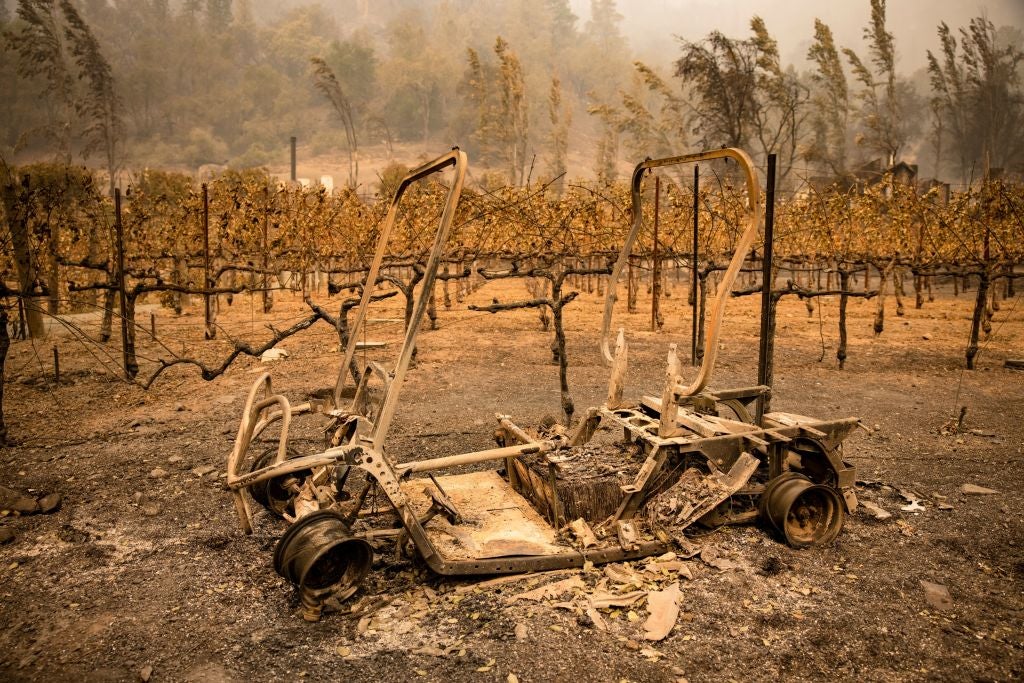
140,575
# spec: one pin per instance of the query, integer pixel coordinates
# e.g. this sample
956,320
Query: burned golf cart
557,497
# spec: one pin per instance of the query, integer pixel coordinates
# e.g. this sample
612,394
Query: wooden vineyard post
5,345
131,367
292,141
693,288
656,265
268,299
766,350
210,332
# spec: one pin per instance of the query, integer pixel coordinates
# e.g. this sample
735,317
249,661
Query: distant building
903,173
941,189
874,172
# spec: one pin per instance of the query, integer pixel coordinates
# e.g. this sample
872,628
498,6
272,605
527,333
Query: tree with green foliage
978,98
560,117
476,91
602,60
412,78
99,105
742,96
885,126
780,108
495,93
830,103
661,124
721,73
42,53
606,162
514,129
654,119
218,15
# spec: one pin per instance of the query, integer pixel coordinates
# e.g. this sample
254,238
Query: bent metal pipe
743,246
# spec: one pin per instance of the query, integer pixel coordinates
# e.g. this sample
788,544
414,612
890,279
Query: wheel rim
319,556
804,513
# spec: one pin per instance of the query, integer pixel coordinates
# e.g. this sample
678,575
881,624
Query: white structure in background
328,182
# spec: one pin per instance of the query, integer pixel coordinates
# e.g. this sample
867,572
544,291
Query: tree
831,102
743,97
42,53
562,23
15,196
412,77
99,105
496,95
885,127
779,113
218,15
515,122
721,72
325,81
607,160
560,117
657,124
977,95
55,43
603,53
475,89
354,63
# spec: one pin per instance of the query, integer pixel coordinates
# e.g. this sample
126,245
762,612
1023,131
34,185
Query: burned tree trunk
980,303
844,288
107,324
556,302
897,290
15,206
432,307
179,276
563,364
5,345
445,287
884,274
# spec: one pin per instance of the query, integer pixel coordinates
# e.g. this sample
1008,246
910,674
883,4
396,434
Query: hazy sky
651,24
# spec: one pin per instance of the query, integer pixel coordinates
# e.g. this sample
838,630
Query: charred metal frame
683,423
